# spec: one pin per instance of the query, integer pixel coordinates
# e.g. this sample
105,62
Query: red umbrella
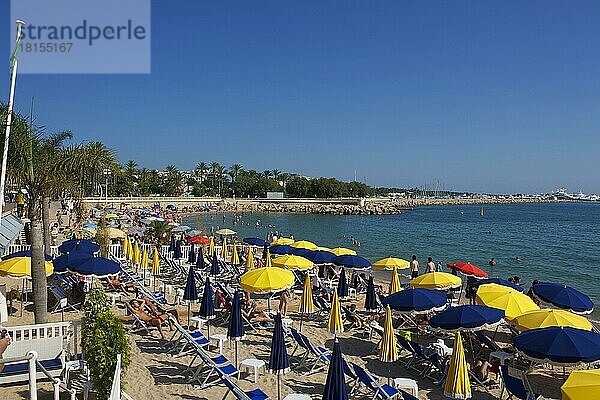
199,240
468,269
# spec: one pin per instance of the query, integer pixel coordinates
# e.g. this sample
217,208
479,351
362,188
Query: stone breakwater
368,207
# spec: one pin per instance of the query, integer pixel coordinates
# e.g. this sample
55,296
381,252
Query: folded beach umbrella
63,262
391,263
282,241
268,261
125,246
192,254
371,298
224,249
190,292
249,261
225,232
235,257
559,345
255,241
215,269
281,249
177,254
468,269
235,327
564,297
550,317
335,324
498,281
137,256
145,263
304,244
436,280
279,363
342,288
292,262
211,245
335,385
24,253
78,245
155,262
306,301
388,351
418,301
467,318
172,243
513,303
582,385
207,304
321,257
200,260
394,282
457,384
351,261
20,267
98,267
342,251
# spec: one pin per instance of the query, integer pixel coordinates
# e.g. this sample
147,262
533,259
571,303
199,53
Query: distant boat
481,211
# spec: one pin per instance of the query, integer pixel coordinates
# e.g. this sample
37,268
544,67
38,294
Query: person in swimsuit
136,307
414,267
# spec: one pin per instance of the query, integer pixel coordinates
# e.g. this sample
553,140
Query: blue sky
483,96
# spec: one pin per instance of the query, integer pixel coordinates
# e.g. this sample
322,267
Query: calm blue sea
555,242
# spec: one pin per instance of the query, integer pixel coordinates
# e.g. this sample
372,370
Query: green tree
158,232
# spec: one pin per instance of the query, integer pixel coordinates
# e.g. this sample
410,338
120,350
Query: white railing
68,330
13,248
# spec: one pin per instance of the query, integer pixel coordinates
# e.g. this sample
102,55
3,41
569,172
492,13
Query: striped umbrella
335,324
192,254
370,298
207,305
335,385
191,291
235,328
395,282
235,257
279,363
457,384
249,260
215,270
224,249
306,301
388,352
342,288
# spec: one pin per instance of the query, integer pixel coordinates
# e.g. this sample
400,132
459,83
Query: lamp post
107,172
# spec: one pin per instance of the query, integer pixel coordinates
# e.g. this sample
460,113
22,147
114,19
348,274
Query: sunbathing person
353,317
157,311
284,298
136,308
114,283
249,311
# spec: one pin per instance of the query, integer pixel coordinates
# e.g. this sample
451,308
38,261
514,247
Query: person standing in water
414,267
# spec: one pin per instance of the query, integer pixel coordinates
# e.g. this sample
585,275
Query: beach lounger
217,366
315,355
255,394
299,345
59,294
517,387
379,391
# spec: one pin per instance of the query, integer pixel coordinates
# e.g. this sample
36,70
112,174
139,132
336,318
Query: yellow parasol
306,301
136,254
235,257
249,260
20,267
457,384
115,233
304,244
335,324
292,262
155,263
513,302
282,240
268,262
225,232
321,248
145,262
224,250
395,282
391,263
126,246
436,280
342,251
211,246
266,280
582,385
549,317
388,352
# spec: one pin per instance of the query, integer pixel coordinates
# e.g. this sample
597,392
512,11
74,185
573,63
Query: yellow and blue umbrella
335,324
582,385
235,257
395,282
306,301
388,352
457,384
249,260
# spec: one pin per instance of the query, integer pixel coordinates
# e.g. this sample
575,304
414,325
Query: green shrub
102,338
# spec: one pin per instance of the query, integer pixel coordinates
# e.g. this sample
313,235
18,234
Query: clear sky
487,96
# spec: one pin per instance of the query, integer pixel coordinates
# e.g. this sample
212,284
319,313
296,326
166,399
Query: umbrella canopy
63,262
549,317
304,244
225,232
335,385
321,257
582,385
278,359
193,232
115,233
215,269
504,298
235,257
467,317
457,384
335,324
292,262
437,281
281,249
498,281
267,280
388,351
181,228
155,262
191,291
564,297
301,252
342,287
306,301
177,253
394,282
20,267
468,269
197,239
207,305
78,245
559,345
255,241
391,263
370,298
192,254
249,260
350,261
235,328
98,267
416,300
281,241
24,253
342,251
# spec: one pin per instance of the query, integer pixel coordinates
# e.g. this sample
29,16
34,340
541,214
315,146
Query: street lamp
107,172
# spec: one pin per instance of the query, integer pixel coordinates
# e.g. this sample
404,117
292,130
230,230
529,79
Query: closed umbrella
215,269
564,297
268,261
279,363
249,261
371,298
235,257
513,303
211,245
200,260
224,249
395,282
550,317
78,245
582,385
207,305
125,246
306,301
191,291
137,257
436,280
177,254
457,384
335,385
192,254
342,288
145,263
335,324
417,301
388,352
155,265
172,243
235,328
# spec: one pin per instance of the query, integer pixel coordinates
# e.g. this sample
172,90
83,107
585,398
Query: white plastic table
254,364
297,396
113,297
287,322
407,384
199,321
503,356
221,338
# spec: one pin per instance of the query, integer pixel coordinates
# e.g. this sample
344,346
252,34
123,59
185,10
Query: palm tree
44,166
275,173
158,232
234,171
201,170
267,174
214,169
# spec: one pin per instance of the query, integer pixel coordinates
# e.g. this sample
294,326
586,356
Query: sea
553,242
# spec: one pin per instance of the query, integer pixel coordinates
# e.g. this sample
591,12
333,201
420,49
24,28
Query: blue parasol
24,253
321,257
172,243
192,254
350,261
78,245
416,300
467,317
63,262
215,269
255,241
207,304
370,298
281,249
235,328
200,260
278,360
335,386
342,289
564,297
191,291
177,253
98,267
